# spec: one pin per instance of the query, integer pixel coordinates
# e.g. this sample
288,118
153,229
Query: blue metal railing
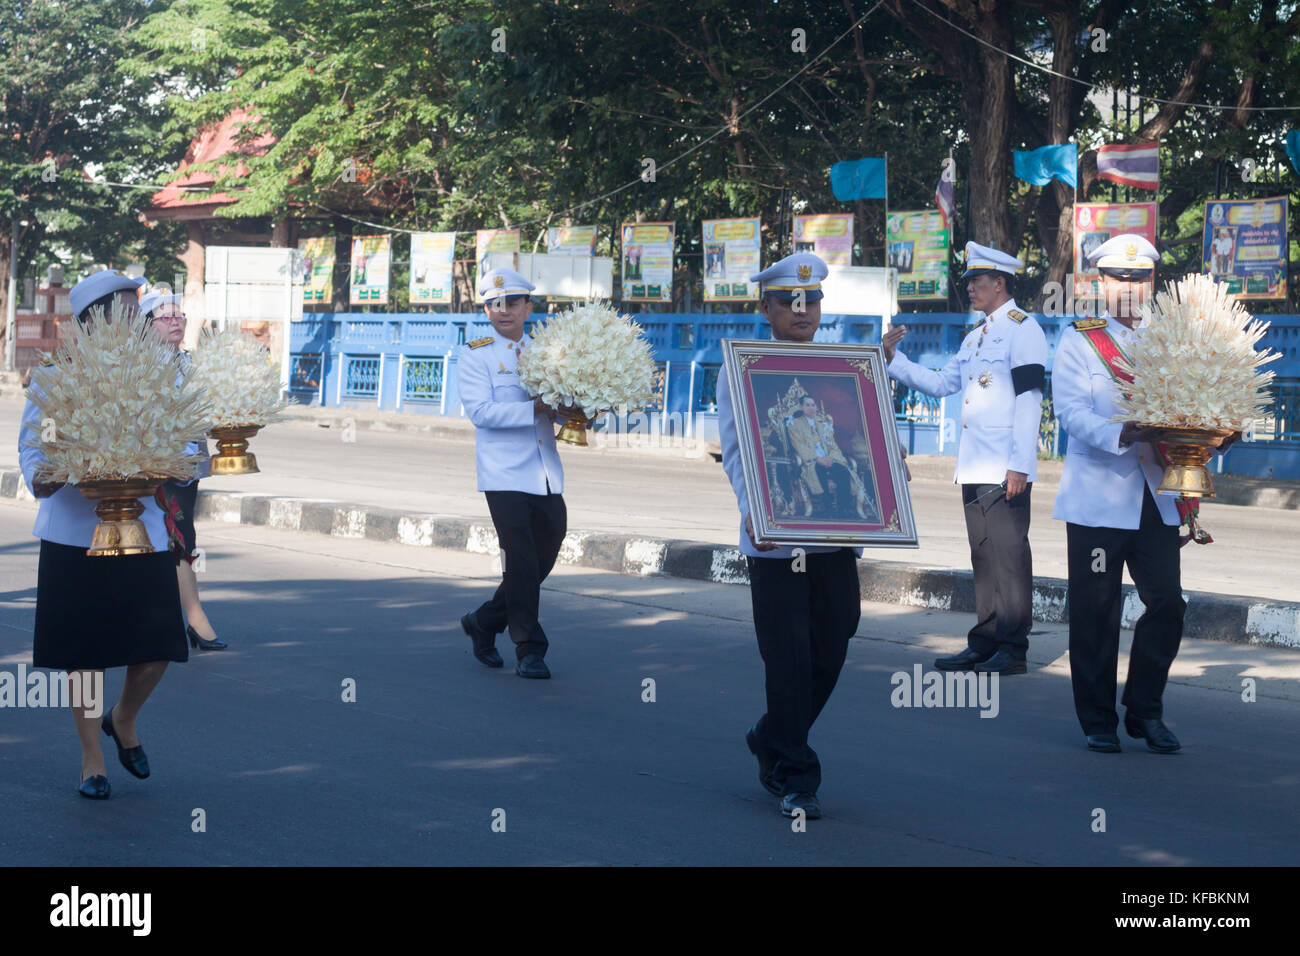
422,378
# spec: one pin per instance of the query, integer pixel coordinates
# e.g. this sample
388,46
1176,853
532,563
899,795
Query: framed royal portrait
820,451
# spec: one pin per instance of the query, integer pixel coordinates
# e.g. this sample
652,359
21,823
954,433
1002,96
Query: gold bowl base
574,431
233,456
1188,449
120,530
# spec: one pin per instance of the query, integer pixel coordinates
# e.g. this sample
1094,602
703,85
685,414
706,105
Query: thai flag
1130,165
943,192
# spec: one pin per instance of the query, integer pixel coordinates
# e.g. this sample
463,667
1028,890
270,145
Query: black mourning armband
1026,378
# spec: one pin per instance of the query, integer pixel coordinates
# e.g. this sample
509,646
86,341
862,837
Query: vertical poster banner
317,270
431,258
917,243
731,256
828,236
648,261
1096,222
371,256
1244,245
491,240
571,241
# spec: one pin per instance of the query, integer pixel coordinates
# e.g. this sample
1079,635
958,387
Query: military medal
985,378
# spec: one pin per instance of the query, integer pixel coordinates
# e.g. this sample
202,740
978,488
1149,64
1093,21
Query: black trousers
1097,557
804,620
998,531
529,529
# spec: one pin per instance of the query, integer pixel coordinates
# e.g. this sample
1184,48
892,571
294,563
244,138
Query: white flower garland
242,384
110,408
592,358
1195,364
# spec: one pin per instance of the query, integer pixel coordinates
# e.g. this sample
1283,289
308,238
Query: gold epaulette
479,343
1015,315
46,361
1084,325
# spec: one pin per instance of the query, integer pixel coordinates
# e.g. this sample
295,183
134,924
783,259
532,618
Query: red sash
1108,351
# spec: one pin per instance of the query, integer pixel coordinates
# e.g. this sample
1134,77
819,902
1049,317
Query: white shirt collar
1001,311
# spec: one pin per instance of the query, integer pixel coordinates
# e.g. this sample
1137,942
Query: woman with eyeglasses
177,499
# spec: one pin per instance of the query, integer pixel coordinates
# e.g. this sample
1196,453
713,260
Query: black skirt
93,613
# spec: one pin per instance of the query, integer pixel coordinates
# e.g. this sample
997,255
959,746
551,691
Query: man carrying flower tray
518,469
1115,514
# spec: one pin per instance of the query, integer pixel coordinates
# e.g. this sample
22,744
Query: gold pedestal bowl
1188,449
120,530
233,456
574,431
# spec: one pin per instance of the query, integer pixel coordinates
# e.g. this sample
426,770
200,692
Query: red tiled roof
213,142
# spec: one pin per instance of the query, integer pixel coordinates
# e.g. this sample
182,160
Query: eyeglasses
169,317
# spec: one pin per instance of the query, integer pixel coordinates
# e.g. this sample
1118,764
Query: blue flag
1038,167
859,179
1293,148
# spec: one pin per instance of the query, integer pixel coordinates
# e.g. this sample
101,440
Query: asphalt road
584,770
607,490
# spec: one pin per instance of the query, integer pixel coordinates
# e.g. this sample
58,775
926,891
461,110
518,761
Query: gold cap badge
805,273
498,281
1131,250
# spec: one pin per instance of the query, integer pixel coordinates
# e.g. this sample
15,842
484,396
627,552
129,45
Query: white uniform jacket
999,371
515,446
1102,483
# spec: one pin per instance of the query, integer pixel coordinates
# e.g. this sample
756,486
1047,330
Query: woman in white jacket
93,613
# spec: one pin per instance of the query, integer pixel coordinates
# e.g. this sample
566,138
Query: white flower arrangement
110,406
591,358
1194,361
242,384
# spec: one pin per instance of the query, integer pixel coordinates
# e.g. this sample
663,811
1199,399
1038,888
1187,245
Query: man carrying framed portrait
787,412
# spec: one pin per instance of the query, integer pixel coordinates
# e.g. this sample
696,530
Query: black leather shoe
1160,739
1104,743
483,642
201,644
960,662
807,802
1003,664
765,762
95,788
133,758
533,666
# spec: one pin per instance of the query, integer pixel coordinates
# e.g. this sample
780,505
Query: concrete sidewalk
1210,616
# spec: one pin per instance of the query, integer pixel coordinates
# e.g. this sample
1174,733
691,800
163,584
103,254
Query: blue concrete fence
407,362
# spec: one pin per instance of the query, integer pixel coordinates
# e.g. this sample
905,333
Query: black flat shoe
484,650
807,802
1160,739
1104,743
133,758
95,788
533,666
1003,664
765,762
960,662
201,644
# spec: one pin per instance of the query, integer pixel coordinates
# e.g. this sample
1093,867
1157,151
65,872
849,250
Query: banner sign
491,240
431,258
571,241
370,258
828,236
317,269
1095,223
731,256
648,261
1244,245
917,241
